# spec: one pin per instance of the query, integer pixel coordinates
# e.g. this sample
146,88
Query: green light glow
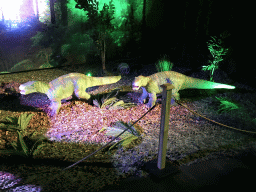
223,86
203,84
11,10
120,10
89,74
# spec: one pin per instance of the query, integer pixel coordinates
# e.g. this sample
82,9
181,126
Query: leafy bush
128,138
164,64
113,102
27,143
216,49
226,105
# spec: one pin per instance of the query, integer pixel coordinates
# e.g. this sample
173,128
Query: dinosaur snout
22,91
135,88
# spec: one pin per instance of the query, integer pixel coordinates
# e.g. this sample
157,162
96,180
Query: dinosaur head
27,88
33,86
139,82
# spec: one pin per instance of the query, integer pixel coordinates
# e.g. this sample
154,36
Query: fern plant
133,133
217,51
113,102
226,105
26,142
164,64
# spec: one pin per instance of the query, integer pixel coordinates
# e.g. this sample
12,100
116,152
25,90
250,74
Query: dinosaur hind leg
54,107
82,94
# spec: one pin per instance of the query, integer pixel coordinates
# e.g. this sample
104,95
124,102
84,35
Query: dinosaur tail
105,80
203,84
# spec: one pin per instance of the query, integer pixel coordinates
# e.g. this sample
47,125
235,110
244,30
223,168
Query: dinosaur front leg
143,97
175,95
152,99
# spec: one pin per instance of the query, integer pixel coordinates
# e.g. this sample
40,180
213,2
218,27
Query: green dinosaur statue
151,85
64,86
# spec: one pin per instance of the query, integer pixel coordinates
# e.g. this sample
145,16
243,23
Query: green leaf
124,126
24,120
37,149
11,152
109,102
112,131
127,137
103,129
13,120
121,102
125,141
14,145
9,127
117,143
128,140
40,139
96,103
226,105
23,144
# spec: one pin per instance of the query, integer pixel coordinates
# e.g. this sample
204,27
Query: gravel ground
80,122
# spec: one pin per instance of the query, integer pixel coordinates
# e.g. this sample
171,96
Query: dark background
180,29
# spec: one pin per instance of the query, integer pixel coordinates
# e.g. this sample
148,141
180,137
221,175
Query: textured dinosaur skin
151,85
65,86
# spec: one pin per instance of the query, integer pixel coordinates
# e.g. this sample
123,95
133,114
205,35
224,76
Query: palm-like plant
133,133
226,105
113,102
26,142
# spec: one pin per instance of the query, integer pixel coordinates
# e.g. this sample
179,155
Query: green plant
27,143
164,64
100,22
54,35
217,51
113,102
254,121
131,135
44,54
226,105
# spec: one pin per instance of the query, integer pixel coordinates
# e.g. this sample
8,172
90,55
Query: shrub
164,64
27,144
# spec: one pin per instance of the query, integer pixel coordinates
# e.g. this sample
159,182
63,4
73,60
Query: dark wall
182,28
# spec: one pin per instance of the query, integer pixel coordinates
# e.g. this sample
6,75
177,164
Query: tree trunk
198,19
37,11
206,26
64,12
143,38
103,53
52,12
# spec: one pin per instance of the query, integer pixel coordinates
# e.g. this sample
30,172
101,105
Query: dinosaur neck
42,87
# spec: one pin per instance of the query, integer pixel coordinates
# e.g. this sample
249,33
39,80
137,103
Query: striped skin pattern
151,85
65,86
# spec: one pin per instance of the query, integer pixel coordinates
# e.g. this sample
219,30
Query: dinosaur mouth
135,88
22,92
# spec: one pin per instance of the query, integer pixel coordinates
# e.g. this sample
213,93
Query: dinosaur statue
64,86
151,85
